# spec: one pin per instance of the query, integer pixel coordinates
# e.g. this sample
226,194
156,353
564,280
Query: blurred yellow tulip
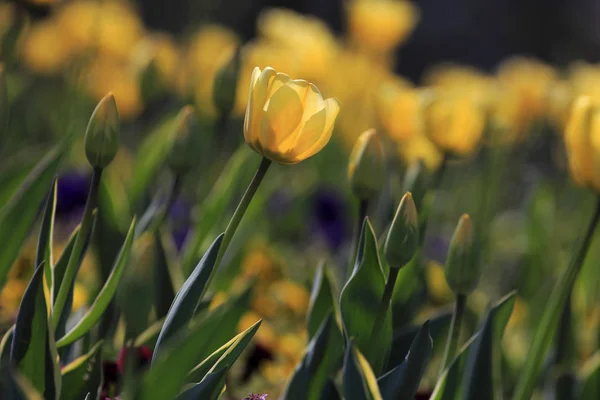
287,120
162,49
381,25
42,51
582,140
419,148
399,109
455,123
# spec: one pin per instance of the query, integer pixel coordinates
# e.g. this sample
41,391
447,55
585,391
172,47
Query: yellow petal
259,94
283,113
310,132
277,82
249,108
332,109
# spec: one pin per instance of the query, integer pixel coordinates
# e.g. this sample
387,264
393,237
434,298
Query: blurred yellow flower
436,283
292,295
264,304
420,148
380,25
80,296
560,99
462,79
455,122
291,346
308,38
260,263
107,75
10,296
42,50
111,27
287,120
265,335
530,80
162,49
582,141
399,109
218,299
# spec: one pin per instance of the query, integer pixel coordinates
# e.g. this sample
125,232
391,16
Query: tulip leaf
215,206
151,154
330,391
105,296
482,370
33,349
403,338
187,299
448,386
14,386
13,176
322,301
210,388
83,375
546,329
321,360
45,244
6,344
169,372
360,302
19,213
590,378
359,380
402,382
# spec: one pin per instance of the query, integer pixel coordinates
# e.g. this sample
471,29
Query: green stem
241,208
74,259
454,334
388,291
363,206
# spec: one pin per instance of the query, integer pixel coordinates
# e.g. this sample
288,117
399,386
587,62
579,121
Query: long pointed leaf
19,213
210,388
188,297
94,313
359,380
44,247
322,301
83,375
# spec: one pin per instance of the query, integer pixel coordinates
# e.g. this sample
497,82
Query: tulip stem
241,208
454,333
78,247
363,205
388,291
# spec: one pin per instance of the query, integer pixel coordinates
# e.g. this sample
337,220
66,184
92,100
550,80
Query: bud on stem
366,170
462,271
403,238
102,134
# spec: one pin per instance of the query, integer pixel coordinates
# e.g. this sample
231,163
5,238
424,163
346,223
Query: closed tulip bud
403,238
287,120
366,170
462,271
102,134
184,151
415,180
225,85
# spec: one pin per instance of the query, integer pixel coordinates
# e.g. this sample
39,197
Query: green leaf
322,301
45,244
169,372
14,386
321,360
448,386
187,299
215,205
402,382
103,299
590,378
482,370
83,375
19,213
360,302
330,391
6,344
13,175
359,380
403,338
149,336
33,350
151,154
210,388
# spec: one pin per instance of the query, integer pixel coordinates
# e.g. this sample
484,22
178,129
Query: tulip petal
249,107
277,82
283,113
332,109
258,97
310,132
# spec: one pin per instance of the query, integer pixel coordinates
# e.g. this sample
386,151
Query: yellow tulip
287,120
420,148
380,25
455,123
582,140
42,52
399,109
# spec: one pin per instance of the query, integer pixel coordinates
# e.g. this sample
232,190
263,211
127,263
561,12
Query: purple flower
71,193
329,216
253,396
179,215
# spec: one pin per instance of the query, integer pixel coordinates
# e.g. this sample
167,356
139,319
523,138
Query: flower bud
403,238
225,85
184,150
366,170
416,180
102,134
462,272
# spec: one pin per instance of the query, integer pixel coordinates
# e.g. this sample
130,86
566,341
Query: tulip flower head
582,140
287,120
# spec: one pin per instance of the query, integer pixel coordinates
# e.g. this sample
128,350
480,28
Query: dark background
475,32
